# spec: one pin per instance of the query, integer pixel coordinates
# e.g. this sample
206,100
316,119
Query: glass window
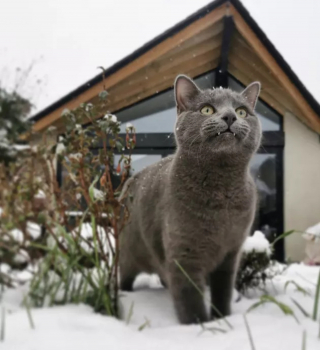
158,113
270,120
263,170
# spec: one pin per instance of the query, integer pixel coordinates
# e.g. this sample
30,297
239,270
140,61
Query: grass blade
298,287
201,293
270,299
316,300
130,313
305,313
27,305
249,332
283,235
3,324
144,325
304,340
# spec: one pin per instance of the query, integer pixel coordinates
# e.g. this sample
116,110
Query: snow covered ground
153,324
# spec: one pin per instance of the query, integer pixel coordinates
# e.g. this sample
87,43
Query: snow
3,132
257,242
86,233
61,148
98,194
75,156
111,117
76,327
65,112
33,229
313,233
21,257
40,195
21,147
312,237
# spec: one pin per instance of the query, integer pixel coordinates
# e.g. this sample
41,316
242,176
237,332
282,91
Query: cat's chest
238,197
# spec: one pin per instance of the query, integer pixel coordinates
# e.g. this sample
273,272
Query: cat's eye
241,112
207,110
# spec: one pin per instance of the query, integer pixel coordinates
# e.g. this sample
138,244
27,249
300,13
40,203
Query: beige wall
301,183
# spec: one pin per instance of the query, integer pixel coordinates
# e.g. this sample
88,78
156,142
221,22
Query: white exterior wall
301,183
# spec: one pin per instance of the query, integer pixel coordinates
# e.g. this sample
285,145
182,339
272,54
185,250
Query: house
220,45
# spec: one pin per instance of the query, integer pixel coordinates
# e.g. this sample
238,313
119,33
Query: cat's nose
229,119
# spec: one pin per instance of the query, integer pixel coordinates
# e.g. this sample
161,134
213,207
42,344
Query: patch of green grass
264,299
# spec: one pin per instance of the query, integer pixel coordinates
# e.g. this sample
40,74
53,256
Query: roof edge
128,59
314,104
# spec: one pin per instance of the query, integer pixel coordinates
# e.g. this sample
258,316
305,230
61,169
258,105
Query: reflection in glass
263,170
158,114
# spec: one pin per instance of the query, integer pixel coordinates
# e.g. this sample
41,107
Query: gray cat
195,208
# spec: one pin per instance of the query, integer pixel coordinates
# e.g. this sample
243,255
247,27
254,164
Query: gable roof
304,106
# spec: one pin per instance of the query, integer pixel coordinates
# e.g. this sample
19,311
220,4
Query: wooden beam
222,72
244,79
310,116
162,66
152,90
165,83
269,86
212,31
145,59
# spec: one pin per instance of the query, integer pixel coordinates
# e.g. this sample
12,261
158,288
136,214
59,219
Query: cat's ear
185,90
251,93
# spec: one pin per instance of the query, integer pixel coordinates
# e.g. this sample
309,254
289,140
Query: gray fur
197,206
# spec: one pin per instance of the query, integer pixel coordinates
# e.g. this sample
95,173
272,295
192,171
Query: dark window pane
263,170
158,114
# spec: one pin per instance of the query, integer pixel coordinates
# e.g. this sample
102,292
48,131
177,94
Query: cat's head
217,120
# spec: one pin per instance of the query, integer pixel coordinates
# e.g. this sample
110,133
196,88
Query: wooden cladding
192,57
195,50
147,64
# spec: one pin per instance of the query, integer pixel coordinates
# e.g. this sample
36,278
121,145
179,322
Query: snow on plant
77,256
256,259
14,110
312,237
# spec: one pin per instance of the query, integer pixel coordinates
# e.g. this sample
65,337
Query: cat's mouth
228,131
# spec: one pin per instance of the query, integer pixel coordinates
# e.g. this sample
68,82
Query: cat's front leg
188,301
222,281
